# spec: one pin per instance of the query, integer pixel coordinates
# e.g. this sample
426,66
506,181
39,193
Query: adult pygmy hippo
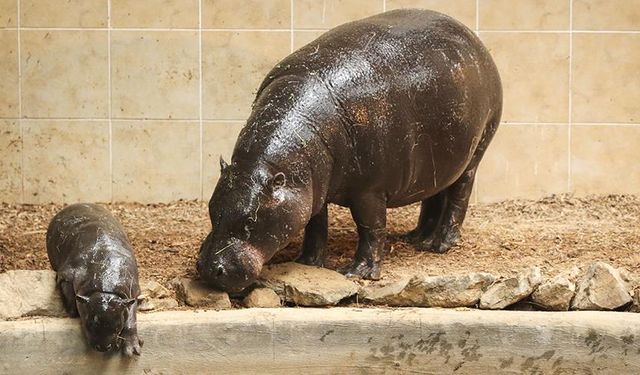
383,112
97,275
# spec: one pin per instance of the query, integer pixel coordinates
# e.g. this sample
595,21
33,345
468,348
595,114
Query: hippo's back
78,229
411,91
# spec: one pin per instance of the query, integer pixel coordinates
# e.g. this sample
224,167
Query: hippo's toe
362,269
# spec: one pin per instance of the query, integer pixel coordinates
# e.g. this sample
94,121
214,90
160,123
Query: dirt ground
555,233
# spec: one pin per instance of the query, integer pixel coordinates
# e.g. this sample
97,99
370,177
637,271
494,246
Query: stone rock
383,292
635,304
262,297
153,289
28,293
555,294
154,296
150,304
197,294
508,291
601,288
431,291
307,285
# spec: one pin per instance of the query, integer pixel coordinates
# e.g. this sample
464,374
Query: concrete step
339,340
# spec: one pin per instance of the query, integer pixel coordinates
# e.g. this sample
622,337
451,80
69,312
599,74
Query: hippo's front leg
315,240
68,297
370,215
132,343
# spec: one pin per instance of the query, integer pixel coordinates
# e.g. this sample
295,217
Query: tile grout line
291,26
109,101
569,128
141,29
200,109
477,180
478,17
226,121
20,127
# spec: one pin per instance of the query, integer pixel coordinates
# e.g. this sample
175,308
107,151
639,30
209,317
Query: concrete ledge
339,340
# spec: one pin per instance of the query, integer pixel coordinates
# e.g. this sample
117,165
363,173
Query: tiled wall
129,100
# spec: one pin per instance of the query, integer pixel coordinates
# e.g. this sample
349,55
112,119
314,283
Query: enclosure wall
128,100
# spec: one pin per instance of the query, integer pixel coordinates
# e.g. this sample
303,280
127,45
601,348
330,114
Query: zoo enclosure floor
555,233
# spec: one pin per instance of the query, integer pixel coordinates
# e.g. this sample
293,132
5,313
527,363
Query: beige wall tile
8,13
606,83
155,13
605,159
246,14
302,38
63,13
218,140
462,10
10,162
234,65
524,161
534,68
325,14
9,73
606,14
155,74
524,15
156,161
64,74
66,161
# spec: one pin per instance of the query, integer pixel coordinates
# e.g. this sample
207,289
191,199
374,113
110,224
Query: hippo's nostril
220,270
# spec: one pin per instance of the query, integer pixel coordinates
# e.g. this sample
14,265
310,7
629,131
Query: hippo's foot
412,236
310,260
439,243
362,269
132,345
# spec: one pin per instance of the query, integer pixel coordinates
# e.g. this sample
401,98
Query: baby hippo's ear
279,180
128,302
223,165
82,299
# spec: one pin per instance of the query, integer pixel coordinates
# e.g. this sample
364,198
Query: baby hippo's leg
369,212
132,343
68,298
315,240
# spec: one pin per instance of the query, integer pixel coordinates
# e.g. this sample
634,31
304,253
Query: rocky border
601,287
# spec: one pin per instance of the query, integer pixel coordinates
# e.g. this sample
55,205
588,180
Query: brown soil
554,233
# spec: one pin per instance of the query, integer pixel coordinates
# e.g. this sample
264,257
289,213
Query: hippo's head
103,317
254,212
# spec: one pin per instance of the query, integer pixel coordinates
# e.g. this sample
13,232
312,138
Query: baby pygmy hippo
97,275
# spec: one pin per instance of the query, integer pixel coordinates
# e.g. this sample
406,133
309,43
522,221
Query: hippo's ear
82,299
128,302
278,180
223,164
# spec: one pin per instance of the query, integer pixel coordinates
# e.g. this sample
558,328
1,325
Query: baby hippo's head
103,317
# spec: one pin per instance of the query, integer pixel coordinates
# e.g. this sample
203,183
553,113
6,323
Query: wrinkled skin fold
97,275
383,112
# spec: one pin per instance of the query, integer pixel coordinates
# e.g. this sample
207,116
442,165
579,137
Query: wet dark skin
97,275
383,112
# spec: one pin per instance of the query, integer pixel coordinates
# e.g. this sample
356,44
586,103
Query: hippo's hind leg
431,212
315,240
370,215
447,232
456,201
